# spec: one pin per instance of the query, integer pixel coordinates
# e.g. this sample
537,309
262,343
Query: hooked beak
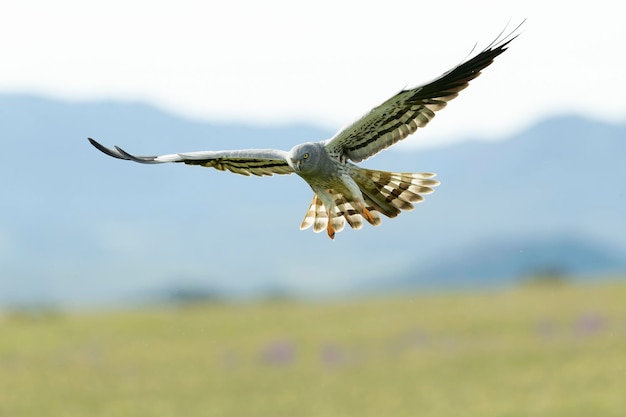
296,164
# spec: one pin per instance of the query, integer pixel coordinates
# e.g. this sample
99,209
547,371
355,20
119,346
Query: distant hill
80,228
501,262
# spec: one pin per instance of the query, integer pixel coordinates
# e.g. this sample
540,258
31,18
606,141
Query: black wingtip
504,39
120,153
105,150
126,155
472,67
139,159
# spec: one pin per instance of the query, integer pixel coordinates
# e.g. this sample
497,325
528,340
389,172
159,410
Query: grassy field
533,351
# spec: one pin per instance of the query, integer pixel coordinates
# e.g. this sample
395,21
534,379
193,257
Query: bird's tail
391,192
384,192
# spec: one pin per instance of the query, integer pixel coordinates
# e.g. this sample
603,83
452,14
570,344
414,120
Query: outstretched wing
404,113
244,162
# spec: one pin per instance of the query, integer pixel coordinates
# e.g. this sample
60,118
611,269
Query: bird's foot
368,216
330,230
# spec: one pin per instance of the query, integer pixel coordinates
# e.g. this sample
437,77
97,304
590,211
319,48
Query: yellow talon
330,230
368,216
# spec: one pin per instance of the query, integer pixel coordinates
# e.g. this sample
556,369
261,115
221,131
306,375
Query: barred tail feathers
391,192
317,215
384,192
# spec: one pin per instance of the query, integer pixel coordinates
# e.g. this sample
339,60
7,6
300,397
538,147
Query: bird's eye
305,156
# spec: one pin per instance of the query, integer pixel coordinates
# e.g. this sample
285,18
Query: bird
344,192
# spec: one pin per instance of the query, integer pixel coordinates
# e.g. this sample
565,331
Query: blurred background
162,290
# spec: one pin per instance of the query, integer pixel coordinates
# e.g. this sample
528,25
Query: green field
533,351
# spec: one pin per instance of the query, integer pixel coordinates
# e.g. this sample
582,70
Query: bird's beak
296,164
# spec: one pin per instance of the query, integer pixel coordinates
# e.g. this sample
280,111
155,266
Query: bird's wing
402,114
244,162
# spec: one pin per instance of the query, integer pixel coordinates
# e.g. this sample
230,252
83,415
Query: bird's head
304,158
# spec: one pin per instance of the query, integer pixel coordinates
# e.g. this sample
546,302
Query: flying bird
343,191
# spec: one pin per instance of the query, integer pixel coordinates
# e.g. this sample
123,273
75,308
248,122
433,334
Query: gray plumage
344,192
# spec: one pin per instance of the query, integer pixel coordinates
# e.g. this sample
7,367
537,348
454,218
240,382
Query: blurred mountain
504,261
79,228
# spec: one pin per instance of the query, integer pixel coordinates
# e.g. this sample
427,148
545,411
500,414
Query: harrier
343,191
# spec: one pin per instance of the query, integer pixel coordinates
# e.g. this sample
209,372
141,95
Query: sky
323,62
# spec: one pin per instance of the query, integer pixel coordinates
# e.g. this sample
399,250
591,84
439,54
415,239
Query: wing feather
245,162
402,114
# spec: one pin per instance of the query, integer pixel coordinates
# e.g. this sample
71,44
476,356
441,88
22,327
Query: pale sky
323,62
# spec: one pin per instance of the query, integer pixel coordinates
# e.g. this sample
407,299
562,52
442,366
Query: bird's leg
368,216
329,227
